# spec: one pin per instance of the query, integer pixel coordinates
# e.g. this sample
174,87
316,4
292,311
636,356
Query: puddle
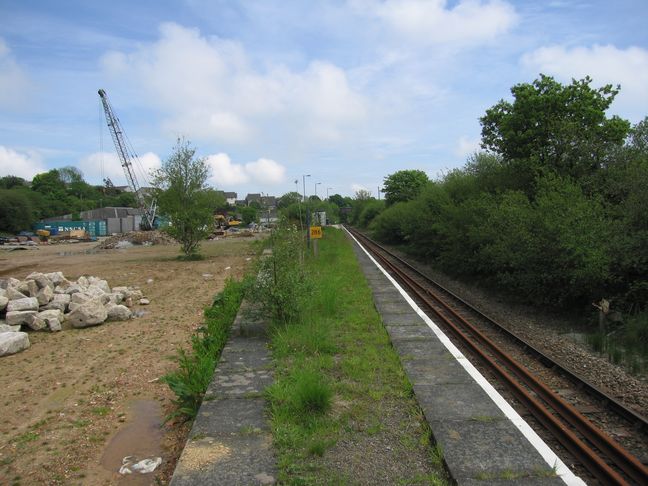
141,437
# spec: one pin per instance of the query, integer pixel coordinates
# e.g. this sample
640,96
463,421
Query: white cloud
358,187
208,89
433,22
604,64
99,165
266,171
21,164
227,174
467,146
15,85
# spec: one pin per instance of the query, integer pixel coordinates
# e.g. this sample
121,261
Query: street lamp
316,184
304,184
327,192
301,223
307,211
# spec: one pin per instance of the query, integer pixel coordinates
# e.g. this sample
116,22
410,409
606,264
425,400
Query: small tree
404,185
183,197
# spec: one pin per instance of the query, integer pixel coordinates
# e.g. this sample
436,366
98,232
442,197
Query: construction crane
126,155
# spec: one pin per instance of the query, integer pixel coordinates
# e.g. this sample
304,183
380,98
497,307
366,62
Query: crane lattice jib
117,133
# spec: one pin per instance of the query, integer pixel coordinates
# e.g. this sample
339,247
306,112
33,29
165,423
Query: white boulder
59,301
3,302
14,294
17,318
87,314
44,295
6,328
13,342
37,324
24,304
118,312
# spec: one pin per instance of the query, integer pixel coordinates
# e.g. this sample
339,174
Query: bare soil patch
71,392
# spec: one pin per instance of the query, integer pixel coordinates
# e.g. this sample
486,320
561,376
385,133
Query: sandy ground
77,402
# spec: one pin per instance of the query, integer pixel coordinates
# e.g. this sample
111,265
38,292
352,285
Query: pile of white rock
44,301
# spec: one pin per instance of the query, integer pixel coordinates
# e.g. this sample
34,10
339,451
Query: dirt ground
77,402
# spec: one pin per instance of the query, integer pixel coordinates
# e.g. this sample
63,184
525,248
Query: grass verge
196,366
342,408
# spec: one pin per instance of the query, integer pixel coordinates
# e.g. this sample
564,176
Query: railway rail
604,458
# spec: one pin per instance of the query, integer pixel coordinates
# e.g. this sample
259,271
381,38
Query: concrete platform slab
457,401
480,445
474,450
441,370
230,441
235,417
234,460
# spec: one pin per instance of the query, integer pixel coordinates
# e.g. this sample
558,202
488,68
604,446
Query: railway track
598,453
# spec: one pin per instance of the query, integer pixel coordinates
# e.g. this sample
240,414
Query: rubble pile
136,238
44,301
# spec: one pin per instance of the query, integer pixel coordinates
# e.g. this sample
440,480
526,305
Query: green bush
370,210
282,284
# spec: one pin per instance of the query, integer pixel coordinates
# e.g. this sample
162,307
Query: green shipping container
94,228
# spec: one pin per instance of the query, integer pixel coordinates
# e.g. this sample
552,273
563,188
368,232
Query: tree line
52,193
553,209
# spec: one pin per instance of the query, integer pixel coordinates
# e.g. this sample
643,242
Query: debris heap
144,238
44,301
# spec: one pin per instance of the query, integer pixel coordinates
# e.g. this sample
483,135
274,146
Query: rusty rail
627,463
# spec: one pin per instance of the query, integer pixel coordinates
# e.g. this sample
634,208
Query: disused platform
481,441
230,442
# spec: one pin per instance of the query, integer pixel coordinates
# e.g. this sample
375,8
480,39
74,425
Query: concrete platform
230,442
479,442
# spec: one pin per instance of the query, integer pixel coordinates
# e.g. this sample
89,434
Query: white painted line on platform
545,451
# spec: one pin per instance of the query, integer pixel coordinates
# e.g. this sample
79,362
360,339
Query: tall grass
334,365
196,365
627,345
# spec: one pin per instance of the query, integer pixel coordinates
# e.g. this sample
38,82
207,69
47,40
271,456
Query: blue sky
347,91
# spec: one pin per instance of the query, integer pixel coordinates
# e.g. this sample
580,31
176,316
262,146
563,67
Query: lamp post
316,184
327,192
301,223
307,211
304,184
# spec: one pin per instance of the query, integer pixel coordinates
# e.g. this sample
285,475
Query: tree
362,195
337,200
551,126
249,214
10,181
288,199
15,210
182,195
404,185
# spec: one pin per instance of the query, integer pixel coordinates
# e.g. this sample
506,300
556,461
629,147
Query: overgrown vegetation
52,193
282,287
196,365
554,212
336,373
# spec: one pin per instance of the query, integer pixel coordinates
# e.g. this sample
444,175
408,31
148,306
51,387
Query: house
230,197
250,198
268,202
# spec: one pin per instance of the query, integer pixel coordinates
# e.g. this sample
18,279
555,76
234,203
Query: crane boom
125,155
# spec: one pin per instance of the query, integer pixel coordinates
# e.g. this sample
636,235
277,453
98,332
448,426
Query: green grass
334,369
196,366
626,345
101,411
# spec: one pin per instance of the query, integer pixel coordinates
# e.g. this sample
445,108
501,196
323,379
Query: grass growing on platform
336,373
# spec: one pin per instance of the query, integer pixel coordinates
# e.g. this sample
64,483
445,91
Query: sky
346,91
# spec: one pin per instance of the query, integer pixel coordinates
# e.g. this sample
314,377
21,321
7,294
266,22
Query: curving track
597,452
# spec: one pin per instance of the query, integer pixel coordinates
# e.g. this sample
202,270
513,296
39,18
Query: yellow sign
315,232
